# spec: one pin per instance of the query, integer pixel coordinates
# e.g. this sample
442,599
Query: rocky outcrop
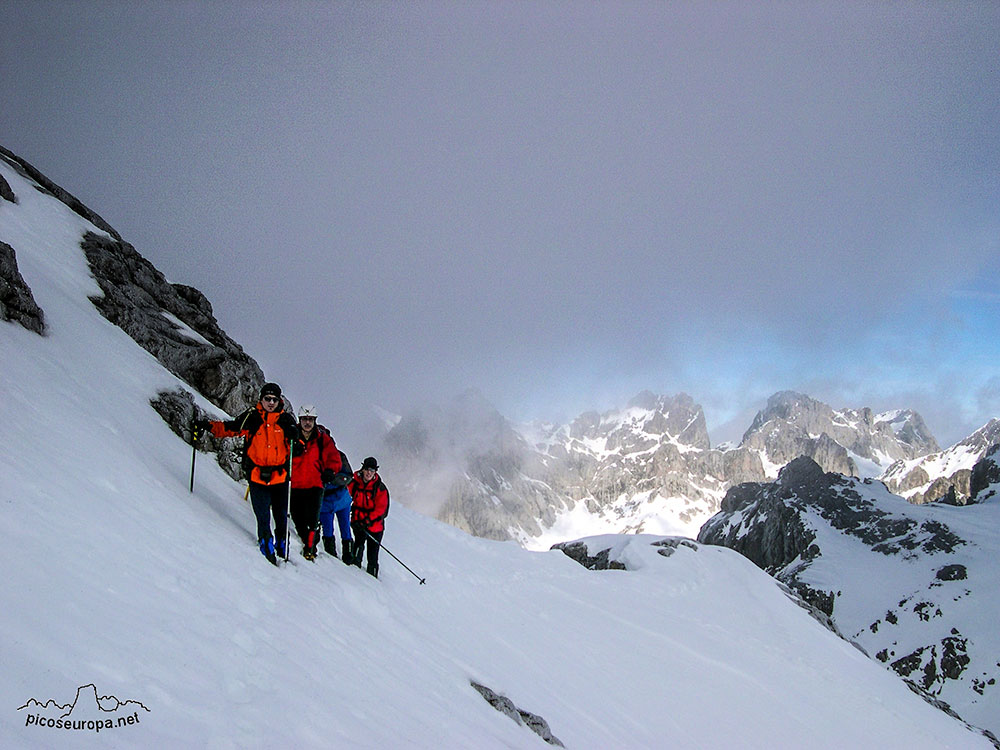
580,552
506,706
17,303
6,193
984,479
177,408
172,322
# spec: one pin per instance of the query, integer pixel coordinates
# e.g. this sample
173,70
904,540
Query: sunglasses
270,399
307,419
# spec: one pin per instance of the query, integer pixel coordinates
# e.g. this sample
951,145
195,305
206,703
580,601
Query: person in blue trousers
337,504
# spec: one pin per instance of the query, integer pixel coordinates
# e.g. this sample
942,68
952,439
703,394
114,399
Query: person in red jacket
370,506
316,461
268,431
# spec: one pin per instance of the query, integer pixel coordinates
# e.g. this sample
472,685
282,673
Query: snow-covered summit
932,476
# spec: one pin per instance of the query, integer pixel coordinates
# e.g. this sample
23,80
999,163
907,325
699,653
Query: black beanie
270,389
369,463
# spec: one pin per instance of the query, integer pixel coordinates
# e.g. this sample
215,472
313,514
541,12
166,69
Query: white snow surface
116,575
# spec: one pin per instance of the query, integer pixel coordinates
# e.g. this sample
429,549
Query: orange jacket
268,435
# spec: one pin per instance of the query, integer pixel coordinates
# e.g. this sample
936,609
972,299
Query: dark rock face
984,481
772,534
506,706
783,539
5,191
578,551
17,304
172,322
177,409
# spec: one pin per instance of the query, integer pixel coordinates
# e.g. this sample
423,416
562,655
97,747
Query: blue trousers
343,521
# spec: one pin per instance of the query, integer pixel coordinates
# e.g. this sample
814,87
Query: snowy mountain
848,441
121,582
915,586
647,468
942,473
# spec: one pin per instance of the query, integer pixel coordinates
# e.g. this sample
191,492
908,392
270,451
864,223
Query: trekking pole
288,502
422,580
194,443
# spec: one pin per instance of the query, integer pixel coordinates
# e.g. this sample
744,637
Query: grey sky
557,203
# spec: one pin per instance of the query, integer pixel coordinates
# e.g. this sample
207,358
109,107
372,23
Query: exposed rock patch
6,193
17,303
504,705
172,322
178,409
578,551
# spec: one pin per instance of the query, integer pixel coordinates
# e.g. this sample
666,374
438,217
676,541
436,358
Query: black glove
342,479
200,425
328,476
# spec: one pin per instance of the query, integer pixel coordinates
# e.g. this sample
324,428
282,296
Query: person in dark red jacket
316,461
268,431
370,506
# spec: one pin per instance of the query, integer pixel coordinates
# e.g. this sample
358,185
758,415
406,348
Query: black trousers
305,510
363,539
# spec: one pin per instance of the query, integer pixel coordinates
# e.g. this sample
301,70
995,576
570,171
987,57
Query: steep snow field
898,603
116,575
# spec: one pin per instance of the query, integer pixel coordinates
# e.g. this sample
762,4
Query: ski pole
422,580
194,443
288,501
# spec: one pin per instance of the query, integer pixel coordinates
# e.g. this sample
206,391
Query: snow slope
117,576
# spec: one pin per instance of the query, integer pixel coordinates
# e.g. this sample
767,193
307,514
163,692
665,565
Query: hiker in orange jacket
269,431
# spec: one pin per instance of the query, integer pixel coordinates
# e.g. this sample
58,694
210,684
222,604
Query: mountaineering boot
373,570
357,553
309,550
330,546
346,544
279,547
267,550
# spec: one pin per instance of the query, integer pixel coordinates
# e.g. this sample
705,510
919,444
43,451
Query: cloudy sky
557,203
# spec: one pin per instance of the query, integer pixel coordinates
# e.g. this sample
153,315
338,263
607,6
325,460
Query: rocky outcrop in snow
173,322
506,706
17,303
